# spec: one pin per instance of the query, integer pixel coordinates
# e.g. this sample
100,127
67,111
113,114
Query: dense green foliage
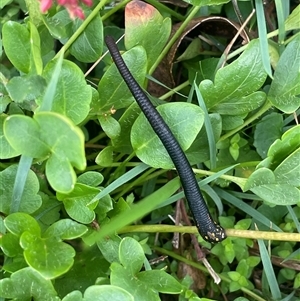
80,163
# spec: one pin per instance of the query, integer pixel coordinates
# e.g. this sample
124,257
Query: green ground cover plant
91,206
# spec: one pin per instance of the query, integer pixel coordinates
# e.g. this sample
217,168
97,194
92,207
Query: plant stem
278,236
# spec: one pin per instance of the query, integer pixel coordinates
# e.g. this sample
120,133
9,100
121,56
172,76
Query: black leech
207,227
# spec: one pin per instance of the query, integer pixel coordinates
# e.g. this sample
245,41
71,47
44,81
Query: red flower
72,6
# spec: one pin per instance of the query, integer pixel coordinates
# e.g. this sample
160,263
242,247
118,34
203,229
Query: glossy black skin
207,227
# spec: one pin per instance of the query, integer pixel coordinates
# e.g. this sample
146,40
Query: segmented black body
207,227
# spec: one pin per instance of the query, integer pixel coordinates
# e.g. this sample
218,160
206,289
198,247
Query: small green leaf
106,292
234,89
285,89
46,255
143,22
65,145
160,281
30,200
122,143
282,148
293,20
76,203
22,132
10,245
90,178
65,229
88,46
123,278
73,296
113,92
266,132
131,255
109,247
17,223
6,150
263,183
110,126
26,284
26,88
185,121
288,172
72,95
16,43
105,157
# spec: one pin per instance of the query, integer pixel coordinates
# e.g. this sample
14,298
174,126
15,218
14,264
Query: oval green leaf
185,121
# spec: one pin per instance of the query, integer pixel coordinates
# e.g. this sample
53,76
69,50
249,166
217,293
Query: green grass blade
263,39
268,270
21,177
120,181
208,128
136,212
51,88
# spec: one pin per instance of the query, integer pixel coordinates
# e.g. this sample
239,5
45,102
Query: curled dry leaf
215,26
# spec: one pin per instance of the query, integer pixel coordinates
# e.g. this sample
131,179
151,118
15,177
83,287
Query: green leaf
105,157
90,178
73,296
122,277
6,151
18,222
263,183
282,148
109,247
107,292
76,203
16,43
131,255
22,132
65,229
48,256
88,46
266,132
72,95
113,92
27,283
185,121
122,142
293,20
285,89
160,281
30,200
26,88
234,89
143,22
110,126
288,172
65,145
10,245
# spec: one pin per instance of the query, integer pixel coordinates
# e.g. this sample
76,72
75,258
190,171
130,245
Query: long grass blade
20,181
